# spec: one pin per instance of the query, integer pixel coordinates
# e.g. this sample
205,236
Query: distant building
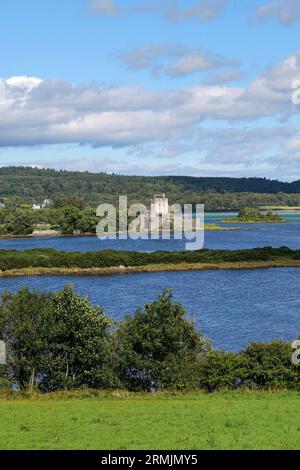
45,204
160,215
160,205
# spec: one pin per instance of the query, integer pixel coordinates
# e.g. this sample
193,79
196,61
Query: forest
23,185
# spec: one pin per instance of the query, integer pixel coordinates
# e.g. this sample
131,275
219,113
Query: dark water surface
233,308
259,235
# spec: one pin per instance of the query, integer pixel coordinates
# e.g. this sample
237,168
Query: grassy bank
253,221
48,261
282,208
152,422
151,268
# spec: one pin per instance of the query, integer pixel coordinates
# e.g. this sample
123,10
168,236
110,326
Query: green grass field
152,422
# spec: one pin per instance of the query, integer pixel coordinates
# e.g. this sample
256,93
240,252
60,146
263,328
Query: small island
255,216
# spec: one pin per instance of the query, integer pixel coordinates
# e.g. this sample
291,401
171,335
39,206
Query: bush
11,259
220,370
55,341
4,381
22,327
61,341
269,365
158,348
20,222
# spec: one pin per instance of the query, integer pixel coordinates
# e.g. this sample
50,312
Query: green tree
88,221
20,222
221,370
249,213
79,343
69,220
23,325
55,341
159,348
269,365
72,201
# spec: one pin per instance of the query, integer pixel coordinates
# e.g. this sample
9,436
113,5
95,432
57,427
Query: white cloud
174,60
105,7
172,10
198,60
24,83
169,124
148,57
287,12
203,10
224,77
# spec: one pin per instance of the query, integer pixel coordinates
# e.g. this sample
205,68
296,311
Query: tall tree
55,341
159,347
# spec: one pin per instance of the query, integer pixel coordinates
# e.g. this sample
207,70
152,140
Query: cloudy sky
195,87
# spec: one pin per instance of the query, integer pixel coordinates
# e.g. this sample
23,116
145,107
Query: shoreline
151,268
253,222
81,235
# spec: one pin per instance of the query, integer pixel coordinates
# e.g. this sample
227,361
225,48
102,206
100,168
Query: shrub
4,381
55,341
20,223
220,370
61,341
158,348
11,259
22,327
269,365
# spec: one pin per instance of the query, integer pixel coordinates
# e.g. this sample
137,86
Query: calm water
276,235
233,308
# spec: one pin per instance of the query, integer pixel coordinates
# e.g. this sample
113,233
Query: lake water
259,235
233,308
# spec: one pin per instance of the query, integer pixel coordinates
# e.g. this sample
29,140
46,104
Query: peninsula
48,261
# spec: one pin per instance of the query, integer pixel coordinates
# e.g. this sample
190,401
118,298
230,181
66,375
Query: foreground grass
152,422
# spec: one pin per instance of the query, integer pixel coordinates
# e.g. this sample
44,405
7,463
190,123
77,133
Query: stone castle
160,205
158,215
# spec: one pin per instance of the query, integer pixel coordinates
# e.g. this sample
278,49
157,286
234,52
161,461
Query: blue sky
152,87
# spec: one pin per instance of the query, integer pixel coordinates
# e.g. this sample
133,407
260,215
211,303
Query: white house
45,204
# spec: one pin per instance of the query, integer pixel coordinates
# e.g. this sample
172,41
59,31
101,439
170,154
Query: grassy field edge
98,420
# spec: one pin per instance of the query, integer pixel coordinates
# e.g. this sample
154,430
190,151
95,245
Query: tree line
60,341
67,219
20,185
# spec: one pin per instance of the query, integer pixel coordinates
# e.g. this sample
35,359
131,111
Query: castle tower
160,205
159,212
